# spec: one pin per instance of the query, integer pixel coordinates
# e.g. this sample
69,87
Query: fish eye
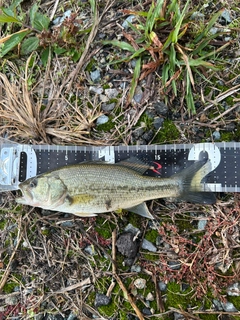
33,183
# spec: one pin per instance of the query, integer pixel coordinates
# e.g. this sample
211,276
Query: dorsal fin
134,164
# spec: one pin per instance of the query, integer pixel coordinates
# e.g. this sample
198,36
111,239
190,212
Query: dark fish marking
108,203
69,199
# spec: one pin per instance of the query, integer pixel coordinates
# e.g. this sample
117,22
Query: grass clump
165,36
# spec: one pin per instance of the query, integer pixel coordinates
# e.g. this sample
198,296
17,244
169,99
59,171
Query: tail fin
192,181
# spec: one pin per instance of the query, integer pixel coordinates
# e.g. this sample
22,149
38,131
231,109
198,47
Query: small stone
225,18
138,94
102,119
217,304
178,316
197,16
67,224
90,250
202,224
101,300
108,107
11,301
150,297
228,307
148,135
158,123
103,98
174,265
140,283
98,90
130,19
111,93
71,316
161,108
216,135
234,289
126,246
136,268
132,229
162,286
137,133
59,20
146,311
147,245
95,75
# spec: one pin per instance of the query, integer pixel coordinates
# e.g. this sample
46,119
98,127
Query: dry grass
30,112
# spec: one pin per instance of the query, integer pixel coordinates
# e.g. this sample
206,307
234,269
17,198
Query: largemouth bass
89,188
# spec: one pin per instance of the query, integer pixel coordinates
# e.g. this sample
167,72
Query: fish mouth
26,195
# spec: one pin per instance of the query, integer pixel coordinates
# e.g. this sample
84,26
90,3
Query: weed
165,36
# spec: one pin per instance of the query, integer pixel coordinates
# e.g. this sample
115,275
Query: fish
90,188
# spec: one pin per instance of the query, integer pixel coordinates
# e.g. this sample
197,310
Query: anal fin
142,210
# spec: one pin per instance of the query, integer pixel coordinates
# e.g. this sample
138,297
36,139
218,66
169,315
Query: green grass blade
208,26
179,23
135,78
121,44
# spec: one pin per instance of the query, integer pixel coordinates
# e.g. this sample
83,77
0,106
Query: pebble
11,301
71,316
111,93
131,228
95,75
150,297
102,119
140,283
59,20
108,107
147,245
136,268
95,89
197,16
90,250
216,135
174,265
234,289
228,307
225,18
162,286
101,300
202,224
161,108
130,19
138,95
146,311
126,246
158,122
67,224
103,98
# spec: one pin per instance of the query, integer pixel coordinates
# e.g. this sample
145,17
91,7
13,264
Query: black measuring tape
19,162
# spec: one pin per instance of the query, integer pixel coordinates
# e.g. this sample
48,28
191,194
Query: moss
183,223
91,65
2,224
104,228
151,235
168,133
106,127
176,298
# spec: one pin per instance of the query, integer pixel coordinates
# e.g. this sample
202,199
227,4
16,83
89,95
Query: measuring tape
19,162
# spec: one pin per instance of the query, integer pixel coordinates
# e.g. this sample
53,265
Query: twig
54,9
121,285
8,268
222,96
225,112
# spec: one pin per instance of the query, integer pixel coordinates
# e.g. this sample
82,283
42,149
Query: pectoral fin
142,210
